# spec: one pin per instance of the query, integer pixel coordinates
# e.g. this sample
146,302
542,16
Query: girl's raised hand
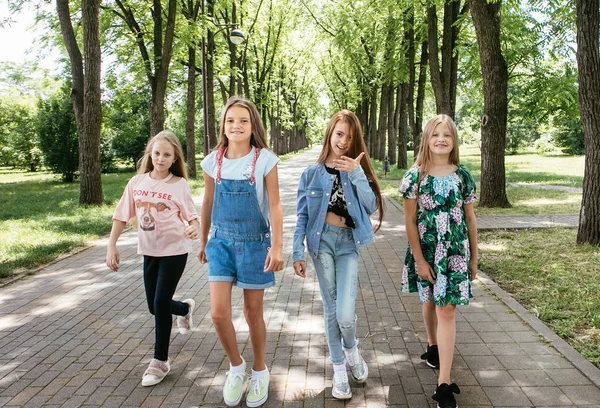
274,261
347,164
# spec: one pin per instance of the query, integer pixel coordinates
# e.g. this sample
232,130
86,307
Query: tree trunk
190,118
486,19
372,138
210,80
420,99
588,63
402,126
85,95
440,89
392,128
383,123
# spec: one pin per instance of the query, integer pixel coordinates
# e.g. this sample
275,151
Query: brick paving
75,334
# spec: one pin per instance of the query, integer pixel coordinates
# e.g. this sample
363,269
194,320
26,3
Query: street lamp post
236,36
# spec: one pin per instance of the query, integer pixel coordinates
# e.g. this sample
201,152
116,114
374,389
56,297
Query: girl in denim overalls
241,190
335,198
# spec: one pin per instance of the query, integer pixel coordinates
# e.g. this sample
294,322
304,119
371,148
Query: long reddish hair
357,146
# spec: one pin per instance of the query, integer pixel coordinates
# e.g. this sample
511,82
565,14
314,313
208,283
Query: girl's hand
112,258
425,271
191,232
300,268
274,261
347,164
201,254
473,268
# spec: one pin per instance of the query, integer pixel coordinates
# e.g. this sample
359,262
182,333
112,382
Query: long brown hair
423,160
258,138
178,168
357,146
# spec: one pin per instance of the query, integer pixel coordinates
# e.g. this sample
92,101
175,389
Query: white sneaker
184,323
358,367
341,387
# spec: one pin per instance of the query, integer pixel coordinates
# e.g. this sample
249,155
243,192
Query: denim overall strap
236,215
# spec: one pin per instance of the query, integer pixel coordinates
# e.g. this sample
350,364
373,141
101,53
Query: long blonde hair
178,168
423,160
258,137
357,146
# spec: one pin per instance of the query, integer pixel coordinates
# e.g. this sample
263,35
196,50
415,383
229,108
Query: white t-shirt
240,169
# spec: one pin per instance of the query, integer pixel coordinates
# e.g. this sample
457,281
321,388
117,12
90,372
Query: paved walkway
75,334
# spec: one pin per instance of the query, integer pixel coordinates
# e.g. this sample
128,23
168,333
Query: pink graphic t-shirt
163,209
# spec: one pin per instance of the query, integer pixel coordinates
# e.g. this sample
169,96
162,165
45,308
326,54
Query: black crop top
337,201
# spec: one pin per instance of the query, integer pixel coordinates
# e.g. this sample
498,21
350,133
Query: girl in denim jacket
335,198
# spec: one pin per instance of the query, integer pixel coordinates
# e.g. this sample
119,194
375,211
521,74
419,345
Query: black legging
161,276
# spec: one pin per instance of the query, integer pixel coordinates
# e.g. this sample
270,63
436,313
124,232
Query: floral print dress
443,234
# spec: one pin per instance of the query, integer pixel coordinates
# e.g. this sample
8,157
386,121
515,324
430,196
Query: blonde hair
423,160
178,168
357,146
258,137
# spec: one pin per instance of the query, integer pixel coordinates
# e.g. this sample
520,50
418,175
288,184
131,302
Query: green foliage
57,133
18,145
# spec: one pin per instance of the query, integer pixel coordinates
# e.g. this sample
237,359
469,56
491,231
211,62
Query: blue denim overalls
240,236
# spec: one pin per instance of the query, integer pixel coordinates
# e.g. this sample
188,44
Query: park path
74,334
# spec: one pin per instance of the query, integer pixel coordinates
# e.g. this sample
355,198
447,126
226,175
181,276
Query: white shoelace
232,376
341,379
255,384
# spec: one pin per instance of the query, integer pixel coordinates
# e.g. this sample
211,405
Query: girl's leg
446,336
170,269
346,272
220,311
430,320
253,311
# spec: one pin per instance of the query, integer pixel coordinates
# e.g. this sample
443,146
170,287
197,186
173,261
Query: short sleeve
408,187
270,160
209,164
188,207
467,186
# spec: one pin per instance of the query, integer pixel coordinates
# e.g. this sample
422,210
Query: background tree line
512,73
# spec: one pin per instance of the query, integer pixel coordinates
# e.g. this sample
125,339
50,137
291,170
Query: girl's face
441,142
238,126
341,139
163,156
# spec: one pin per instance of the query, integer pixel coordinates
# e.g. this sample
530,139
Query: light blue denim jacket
314,191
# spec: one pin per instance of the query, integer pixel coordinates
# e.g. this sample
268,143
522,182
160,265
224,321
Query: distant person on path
441,259
161,200
386,166
241,196
335,198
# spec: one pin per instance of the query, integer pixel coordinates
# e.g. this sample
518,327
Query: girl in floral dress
441,259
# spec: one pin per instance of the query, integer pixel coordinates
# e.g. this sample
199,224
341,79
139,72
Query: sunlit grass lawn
41,217
523,168
561,287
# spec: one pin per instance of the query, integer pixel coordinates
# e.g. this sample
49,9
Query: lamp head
236,36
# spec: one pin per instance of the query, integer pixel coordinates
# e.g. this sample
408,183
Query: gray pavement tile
582,394
568,376
507,396
531,378
547,396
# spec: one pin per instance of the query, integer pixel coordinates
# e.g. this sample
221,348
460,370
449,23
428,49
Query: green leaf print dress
443,234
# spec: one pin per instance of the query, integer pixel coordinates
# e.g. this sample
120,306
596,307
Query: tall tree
486,19
85,94
444,74
589,99
157,65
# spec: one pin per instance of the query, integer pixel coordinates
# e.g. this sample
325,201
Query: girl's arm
471,221
274,261
424,270
112,253
300,231
356,174
205,214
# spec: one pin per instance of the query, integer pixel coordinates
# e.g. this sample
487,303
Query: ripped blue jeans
337,271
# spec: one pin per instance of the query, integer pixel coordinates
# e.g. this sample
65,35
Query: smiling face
441,141
238,126
163,156
341,139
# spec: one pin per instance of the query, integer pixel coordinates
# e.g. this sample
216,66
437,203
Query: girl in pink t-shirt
161,200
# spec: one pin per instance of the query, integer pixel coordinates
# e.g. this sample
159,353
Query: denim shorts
240,262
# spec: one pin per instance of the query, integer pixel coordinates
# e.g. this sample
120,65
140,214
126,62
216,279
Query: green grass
522,168
561,287
42,219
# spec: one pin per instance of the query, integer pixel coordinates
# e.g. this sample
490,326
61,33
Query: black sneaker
431,356
444,395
